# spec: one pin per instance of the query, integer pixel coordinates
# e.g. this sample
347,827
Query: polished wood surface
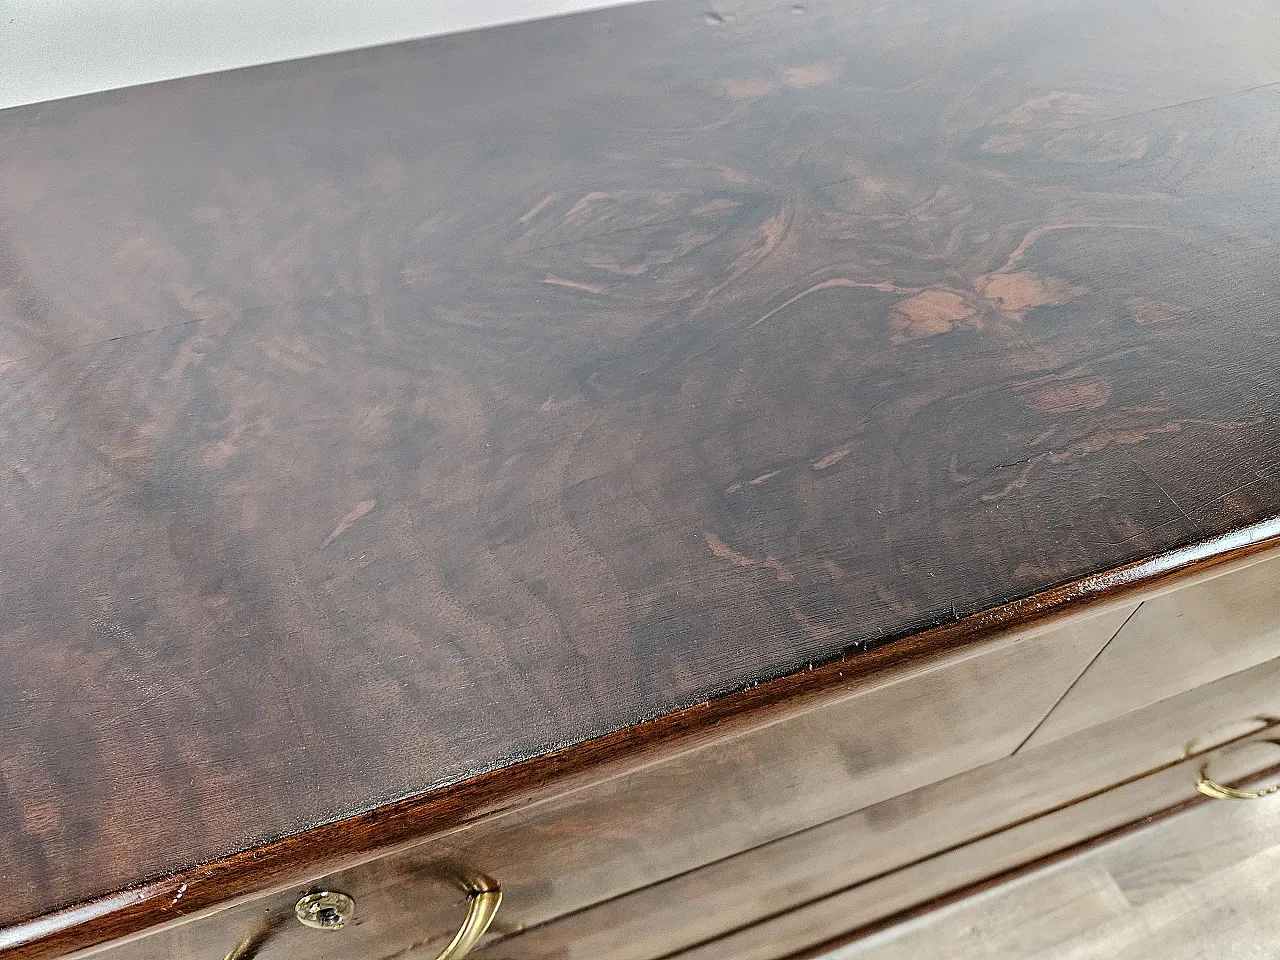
728,795
377,421
909,828
299,858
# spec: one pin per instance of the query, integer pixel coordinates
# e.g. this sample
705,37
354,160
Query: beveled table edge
143,909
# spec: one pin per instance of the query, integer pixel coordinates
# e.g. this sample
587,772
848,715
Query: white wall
59,48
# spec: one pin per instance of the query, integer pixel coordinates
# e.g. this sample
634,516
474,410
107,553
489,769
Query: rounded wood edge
87,927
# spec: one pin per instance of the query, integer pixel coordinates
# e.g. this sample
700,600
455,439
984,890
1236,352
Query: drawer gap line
1087,667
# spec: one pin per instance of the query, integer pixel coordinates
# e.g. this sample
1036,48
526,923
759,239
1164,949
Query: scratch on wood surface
726,552
573,285
354,514
832,458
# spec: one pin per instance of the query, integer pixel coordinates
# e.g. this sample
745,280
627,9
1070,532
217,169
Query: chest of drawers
657,482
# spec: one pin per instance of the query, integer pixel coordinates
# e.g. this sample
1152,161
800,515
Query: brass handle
246,949
326,910
484,896
1220,791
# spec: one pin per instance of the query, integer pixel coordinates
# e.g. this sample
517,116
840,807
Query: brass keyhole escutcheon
325,910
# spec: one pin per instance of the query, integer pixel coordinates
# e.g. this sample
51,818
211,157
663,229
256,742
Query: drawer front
914,827
836,918
715,800
1176,642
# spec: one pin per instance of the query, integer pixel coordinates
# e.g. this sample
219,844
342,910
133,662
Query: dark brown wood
376,422
300,857
907,829
571,851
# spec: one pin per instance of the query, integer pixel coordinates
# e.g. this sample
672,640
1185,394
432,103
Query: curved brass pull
1220,791
484,896
328,910
246,949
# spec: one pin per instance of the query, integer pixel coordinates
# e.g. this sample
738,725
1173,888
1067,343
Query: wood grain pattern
907,829
375,422
388,830
906,729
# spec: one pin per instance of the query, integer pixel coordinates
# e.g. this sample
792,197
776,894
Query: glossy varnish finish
373,422
915,831
724,796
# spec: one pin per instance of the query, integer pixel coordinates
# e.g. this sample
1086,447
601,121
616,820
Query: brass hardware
1220,791
483,899
246,948
331,910
325,910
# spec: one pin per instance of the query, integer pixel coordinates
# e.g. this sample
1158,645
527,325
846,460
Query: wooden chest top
375,422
